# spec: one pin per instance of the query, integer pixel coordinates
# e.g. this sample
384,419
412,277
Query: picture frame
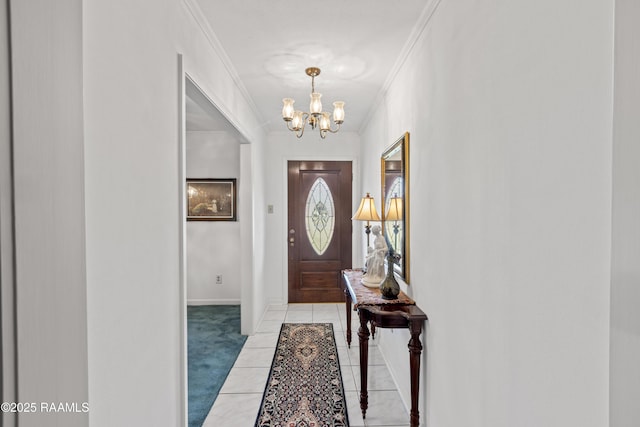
211,199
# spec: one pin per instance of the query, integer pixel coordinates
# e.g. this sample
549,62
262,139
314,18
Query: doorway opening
213,249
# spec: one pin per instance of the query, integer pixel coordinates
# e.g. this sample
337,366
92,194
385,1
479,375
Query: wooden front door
319,231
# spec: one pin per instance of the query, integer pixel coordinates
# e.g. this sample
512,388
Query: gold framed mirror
394,167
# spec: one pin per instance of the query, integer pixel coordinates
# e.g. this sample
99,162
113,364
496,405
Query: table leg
415,350
363,333
347,296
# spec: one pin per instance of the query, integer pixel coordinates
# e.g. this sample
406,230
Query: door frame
356,238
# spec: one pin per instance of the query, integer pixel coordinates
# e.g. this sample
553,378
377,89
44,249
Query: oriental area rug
304,388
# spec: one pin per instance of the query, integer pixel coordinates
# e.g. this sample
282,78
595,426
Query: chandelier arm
299,132
305,119
335,131
304,125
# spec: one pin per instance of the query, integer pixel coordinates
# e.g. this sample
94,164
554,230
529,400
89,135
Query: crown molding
203,23
407,49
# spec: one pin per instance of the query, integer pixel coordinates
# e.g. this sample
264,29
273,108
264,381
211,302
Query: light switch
270,209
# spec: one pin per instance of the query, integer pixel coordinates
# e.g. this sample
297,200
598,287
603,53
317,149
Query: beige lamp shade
395,209
367,210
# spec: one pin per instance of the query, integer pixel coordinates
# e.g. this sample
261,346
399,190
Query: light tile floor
239,400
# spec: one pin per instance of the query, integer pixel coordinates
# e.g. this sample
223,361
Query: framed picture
211,199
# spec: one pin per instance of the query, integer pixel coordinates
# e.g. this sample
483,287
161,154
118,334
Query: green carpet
213,344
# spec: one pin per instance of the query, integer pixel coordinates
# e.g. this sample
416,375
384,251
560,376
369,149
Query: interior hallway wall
509,106
625,265
260,245
255,300
49,198
8,386
133,188
213,247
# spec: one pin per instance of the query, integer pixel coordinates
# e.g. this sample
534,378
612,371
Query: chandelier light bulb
325,122
338,112
287,109
298,120
315,107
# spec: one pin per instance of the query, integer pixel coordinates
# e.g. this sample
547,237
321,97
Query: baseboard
276,303
277,306
213,302
407,404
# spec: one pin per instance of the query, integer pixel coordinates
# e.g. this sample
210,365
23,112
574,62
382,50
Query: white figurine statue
375,260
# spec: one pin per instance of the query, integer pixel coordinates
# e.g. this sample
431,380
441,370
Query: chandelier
297,120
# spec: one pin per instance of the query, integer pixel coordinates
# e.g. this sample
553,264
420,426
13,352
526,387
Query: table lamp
367,212
394,214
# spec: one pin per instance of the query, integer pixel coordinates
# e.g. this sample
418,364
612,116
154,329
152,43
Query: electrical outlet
219,279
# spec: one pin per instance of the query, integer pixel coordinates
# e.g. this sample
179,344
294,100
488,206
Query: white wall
133,202
260,246
8,388
625,265
213,247
248,291
284,146
48,168
509,106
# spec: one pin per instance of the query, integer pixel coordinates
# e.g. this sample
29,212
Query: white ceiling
356,43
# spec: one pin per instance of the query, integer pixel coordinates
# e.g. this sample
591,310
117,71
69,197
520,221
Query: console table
380,313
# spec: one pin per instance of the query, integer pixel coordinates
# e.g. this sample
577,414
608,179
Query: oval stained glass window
320,216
